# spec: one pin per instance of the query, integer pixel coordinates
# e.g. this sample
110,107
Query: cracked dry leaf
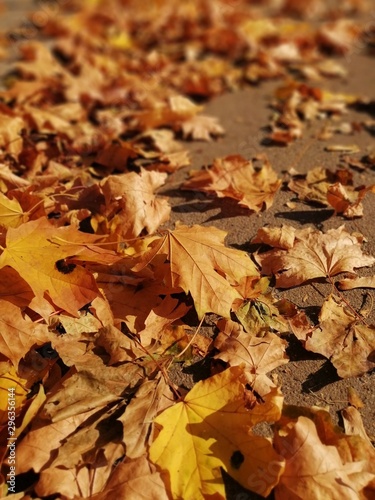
314,469
346,200
314,255
211,429
342,338
238,178
40,253
200,263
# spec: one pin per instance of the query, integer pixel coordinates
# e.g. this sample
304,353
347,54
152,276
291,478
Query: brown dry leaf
353,425
354,399
348,201
315,184
40,253
160,319
134,480
343,148
259,355
313,468
200,263
79,482
131,205
36,449
18,333
177,110
344,339
202,127
11,127
13,288
152,398
357,282
238,178
92,387
94,438
314,255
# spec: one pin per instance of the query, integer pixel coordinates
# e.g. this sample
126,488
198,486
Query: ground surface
308,379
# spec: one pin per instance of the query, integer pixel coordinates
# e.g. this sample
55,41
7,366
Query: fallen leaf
353,425
38,252
343,148
11,213
202,127
238,178
357,282
210,429
199,263
354,399
314,468
314,255
260,355
18,334
134,480
131,205
344,339
152,398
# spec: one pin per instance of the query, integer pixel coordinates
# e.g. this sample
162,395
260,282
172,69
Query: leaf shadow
316,217
226,207
326,375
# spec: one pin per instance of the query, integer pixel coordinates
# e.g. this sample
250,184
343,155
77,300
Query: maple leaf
13,288
152,398
11,380
18,333
210,429
11,127
357,282
314,468
134,480
341,337
237,178
313,255
11,213
314,186
348,202
201,127
131,205
260,355
199,263
261,314
38,252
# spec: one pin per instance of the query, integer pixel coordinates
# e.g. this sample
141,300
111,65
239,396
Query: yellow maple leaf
210,430
11,213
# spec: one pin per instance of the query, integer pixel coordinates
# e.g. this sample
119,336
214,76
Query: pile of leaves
100,302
